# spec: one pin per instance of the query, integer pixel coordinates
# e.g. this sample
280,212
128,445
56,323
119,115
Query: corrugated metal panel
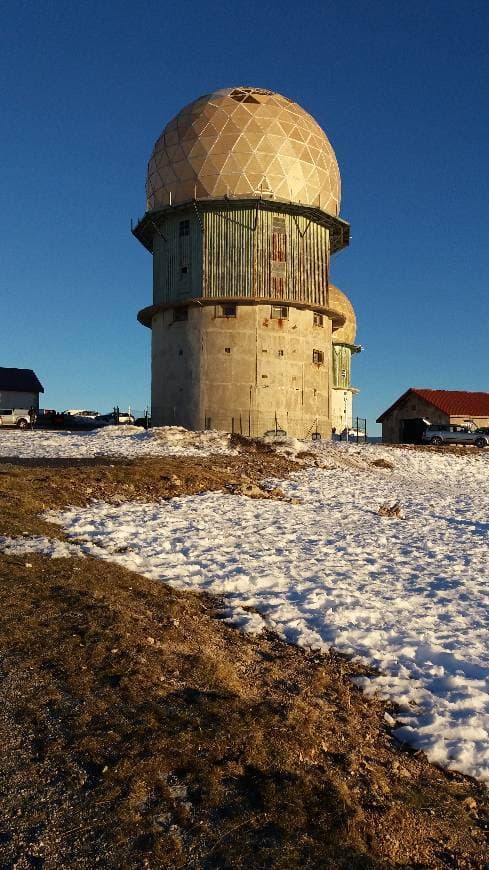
228,253
341,366
242,246
173,253
241,252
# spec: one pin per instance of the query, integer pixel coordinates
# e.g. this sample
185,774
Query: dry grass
393,510
140,731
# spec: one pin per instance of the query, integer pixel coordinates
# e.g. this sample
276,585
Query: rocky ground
138,730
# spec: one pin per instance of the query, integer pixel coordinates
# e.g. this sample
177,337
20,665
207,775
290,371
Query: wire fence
256,424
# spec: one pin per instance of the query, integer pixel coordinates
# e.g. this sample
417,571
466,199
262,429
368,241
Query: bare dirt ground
138,730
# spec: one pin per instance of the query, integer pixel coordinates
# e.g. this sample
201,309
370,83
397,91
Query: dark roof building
22,380
19,388
402,420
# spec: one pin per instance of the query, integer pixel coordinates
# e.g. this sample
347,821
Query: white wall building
19,388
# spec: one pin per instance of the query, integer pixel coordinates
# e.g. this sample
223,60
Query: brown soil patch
382,463
140,731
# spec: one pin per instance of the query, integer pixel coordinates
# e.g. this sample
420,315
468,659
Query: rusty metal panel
241,253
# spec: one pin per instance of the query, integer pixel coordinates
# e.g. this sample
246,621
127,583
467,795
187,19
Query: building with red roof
407,417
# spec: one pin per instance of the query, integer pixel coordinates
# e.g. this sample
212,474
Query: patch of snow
38,544
124,441
408,595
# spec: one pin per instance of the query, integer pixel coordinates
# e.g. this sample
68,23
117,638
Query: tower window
279,312
180,314
317,319
318,357
278,225
280,353
226,311
227,350
184,228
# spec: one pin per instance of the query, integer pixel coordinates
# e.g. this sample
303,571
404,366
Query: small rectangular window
280,353
226,311
318,357
279,312
317,319
184,228
184,270
227,350
180,314
278,225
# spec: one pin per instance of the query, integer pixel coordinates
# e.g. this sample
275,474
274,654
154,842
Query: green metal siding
241,252
341,366
171,253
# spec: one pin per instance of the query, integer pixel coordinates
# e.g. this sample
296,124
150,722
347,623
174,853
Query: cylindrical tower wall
250,372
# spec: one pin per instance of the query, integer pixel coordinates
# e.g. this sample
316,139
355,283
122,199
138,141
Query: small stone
404,773
470,804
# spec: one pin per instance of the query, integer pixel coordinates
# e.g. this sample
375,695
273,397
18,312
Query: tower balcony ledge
146,228
145,315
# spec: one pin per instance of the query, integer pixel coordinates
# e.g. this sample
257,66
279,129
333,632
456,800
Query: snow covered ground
408,595
126,441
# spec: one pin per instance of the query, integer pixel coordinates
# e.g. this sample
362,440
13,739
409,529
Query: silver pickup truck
454,433
14,417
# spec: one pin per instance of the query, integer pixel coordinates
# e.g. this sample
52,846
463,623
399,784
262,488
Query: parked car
122,418
76,412
454,433
15,417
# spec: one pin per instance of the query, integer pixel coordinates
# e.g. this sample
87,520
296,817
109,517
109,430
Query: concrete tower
243,197
344,346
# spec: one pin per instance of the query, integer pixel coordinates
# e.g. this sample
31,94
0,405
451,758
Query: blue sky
400,89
